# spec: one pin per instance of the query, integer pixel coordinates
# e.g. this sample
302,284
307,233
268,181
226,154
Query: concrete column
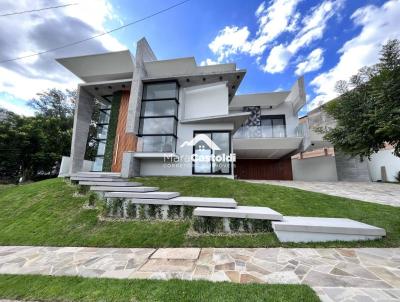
143,54
130,165
82,118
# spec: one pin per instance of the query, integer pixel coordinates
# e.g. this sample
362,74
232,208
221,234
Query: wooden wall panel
268,169
123,141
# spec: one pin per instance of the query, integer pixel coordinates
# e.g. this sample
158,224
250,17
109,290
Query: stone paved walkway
383,193
365,274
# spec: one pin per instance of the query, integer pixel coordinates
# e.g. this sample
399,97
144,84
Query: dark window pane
101,148
160,91
104,116
102,132
165,125
159,108
221,139
158,144
98,164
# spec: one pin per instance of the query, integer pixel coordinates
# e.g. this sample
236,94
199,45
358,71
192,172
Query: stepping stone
320,229
149,195
123,189
176,253
98,174
240,212
80,178
182,201
111,183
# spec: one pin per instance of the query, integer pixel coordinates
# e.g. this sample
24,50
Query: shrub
92,199
118,207
234,224
131,210
83,190
142,212
187,212
174,212
208,224
398,176
154,211
260,225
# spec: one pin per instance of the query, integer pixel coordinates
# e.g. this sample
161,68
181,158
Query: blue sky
276,41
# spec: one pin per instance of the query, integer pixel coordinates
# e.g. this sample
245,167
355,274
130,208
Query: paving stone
168,265
176,253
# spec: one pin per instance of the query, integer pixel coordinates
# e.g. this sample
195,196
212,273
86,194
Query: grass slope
45,213
46,288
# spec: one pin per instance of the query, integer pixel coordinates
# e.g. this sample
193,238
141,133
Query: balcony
266,141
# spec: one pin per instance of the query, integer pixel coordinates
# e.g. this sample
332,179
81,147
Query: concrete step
240,212
81,178
123,189
98,174
188,201
149,195
321,229
111,183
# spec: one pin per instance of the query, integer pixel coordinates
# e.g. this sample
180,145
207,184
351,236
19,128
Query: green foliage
154,211
188,212
260,225
368,111
234,224
142,212
131,210
205,224
83,190
398,176
32,147
118,207
112,131
92,199
174,212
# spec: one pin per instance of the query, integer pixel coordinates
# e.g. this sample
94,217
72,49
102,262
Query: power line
96,36
36,10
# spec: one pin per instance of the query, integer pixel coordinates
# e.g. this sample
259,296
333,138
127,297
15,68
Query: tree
367,112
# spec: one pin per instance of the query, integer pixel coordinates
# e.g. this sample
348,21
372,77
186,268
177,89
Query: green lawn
46,288
45,213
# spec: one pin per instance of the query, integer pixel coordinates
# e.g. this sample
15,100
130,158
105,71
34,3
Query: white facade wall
66,163
195,102
388,160
204,101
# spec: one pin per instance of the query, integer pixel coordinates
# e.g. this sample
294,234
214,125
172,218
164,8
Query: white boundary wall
65,165
322,168
388,160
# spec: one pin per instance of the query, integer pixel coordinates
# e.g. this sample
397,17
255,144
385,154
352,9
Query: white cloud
278,17
229,41
313,62
208,61
39,31
312,29
378,24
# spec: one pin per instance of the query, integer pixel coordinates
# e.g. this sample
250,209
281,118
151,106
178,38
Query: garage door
268,169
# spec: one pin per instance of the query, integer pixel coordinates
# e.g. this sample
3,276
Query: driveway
383,193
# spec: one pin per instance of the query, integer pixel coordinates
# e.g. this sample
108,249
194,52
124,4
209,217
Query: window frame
275,117
142,117
211,164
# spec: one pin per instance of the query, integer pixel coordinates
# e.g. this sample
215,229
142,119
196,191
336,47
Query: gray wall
321,168
351,168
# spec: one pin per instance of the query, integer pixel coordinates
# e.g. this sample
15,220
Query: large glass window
159,117
273,126
166,90
102,130
215,164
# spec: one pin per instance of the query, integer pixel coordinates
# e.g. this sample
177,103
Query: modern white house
156,116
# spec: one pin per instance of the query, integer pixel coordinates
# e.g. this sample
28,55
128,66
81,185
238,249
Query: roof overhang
272,148
104,88
100,67
264,100
236,118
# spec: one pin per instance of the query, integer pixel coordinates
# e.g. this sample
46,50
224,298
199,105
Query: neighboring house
155,114
320,162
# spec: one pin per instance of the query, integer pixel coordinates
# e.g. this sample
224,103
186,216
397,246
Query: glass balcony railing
278,131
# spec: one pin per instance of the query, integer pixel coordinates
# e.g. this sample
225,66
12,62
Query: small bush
131,210
260,225
187,212
142,212
208,224
83,190
154,211
234,224
174,212
92,199
118,207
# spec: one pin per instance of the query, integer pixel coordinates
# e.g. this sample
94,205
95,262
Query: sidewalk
365,274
